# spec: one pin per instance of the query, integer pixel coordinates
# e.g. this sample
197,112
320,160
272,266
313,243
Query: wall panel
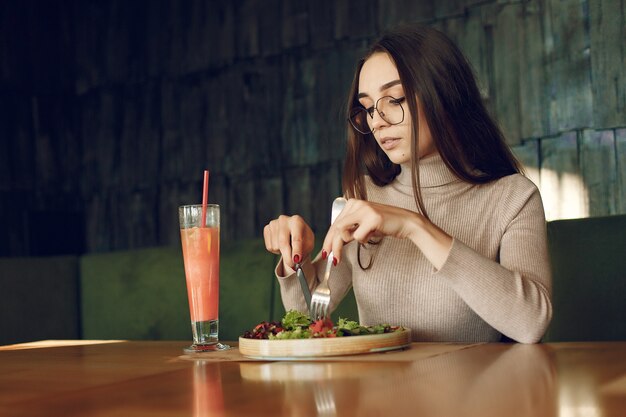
110,109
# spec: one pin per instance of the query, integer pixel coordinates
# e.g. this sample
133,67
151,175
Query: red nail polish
324,254
296,258
334,261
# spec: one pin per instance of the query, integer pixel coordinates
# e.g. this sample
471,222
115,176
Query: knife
304,285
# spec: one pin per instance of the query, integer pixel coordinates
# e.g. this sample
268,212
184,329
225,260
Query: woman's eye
397,101
370,111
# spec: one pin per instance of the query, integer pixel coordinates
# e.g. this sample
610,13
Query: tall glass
201,256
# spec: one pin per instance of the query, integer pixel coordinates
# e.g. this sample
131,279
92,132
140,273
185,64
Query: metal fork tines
320,300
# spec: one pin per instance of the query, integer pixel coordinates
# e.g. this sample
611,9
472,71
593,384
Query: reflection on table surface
516,380
140,378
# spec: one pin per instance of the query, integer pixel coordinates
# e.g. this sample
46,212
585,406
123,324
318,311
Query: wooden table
83,378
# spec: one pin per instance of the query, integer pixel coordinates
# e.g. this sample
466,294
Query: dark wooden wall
109,111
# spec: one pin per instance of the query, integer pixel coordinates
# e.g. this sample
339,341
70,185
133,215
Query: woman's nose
378,121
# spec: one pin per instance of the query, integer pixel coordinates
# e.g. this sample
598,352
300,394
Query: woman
441,232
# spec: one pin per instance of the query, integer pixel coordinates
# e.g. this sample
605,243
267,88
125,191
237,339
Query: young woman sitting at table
441,233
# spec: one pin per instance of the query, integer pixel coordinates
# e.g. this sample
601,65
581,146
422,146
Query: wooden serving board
293,349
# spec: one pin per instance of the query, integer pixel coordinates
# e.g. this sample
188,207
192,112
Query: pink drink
200,238
201,254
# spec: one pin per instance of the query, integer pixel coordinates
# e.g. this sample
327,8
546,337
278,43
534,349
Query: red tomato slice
321,326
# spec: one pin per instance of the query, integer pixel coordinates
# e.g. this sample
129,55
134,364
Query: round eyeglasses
389,109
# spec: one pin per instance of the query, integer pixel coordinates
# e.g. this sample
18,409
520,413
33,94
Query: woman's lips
389,143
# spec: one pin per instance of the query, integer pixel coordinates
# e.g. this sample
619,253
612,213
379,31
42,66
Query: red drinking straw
205,196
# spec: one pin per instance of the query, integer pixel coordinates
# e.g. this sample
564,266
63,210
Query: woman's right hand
290,237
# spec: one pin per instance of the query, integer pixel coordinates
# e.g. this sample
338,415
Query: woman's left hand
363,220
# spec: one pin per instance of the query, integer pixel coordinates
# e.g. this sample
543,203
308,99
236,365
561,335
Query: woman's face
379,78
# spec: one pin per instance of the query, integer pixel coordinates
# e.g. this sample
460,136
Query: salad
295,325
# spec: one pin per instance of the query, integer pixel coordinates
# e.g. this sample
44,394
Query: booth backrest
141,294
135,295
39,299
589,279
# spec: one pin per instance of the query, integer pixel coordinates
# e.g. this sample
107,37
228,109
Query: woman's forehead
378,71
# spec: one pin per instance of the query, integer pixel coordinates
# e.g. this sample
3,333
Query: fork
320,300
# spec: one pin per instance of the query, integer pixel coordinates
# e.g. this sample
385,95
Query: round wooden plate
294,349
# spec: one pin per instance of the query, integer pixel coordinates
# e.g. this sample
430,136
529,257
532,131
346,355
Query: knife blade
304,284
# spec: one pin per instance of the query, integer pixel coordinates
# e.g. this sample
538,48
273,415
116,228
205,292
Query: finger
267,237
333,230
272,238
342,234
337,246
274,229
283,237
298,231
328,242
362,232
347,234
364,221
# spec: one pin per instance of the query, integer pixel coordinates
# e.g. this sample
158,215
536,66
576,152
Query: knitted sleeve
512,294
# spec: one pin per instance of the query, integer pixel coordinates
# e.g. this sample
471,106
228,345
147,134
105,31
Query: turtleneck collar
432,170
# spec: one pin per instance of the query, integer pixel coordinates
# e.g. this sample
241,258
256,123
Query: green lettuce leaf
294,320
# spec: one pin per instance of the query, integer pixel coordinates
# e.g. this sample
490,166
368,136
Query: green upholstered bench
141,294
589,279
136,295
38,299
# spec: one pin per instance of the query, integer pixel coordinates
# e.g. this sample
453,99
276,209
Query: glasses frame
381,114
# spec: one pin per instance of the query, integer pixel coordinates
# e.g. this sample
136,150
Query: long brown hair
432,69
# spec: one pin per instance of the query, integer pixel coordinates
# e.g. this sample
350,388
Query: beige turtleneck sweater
496,280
